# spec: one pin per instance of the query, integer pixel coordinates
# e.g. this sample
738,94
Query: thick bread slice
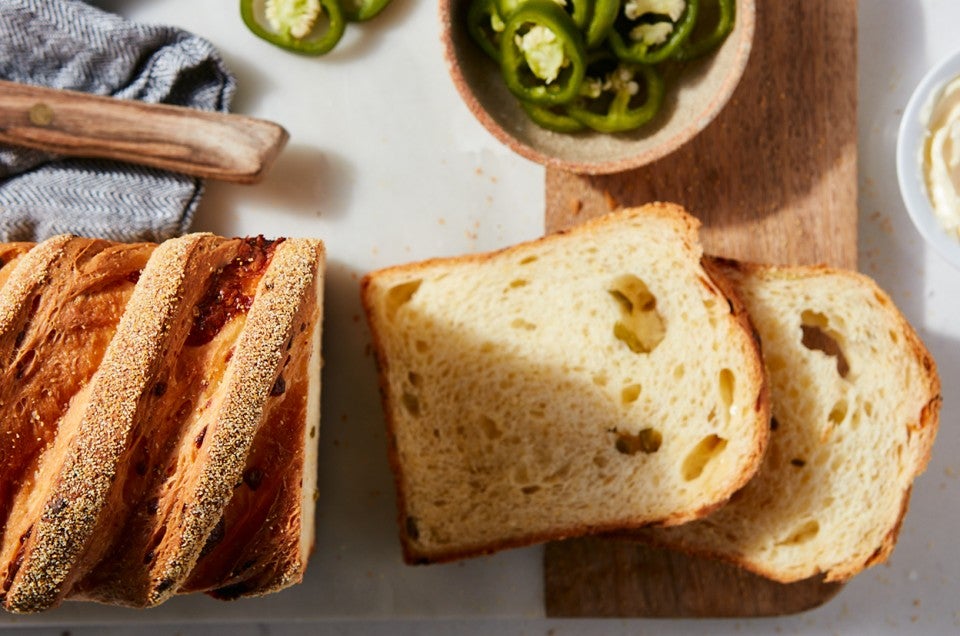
75,486
188,458
262,541
58,310
855,399
277,312
591,380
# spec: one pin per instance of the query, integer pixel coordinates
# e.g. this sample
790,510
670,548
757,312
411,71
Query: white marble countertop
387,165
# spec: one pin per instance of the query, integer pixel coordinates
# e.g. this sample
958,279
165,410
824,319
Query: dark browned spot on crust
774,424
153,504
279,387
253,477
199,441
412,530
799,463
24,363
164,585
227,294
231,592
159,389
246,565
216,536
56,507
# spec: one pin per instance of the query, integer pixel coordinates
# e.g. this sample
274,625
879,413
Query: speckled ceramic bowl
691,102
910,142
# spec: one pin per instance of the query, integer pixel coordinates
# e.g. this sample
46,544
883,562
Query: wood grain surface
773,179
199,143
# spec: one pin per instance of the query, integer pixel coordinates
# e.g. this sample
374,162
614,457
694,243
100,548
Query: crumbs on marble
886,226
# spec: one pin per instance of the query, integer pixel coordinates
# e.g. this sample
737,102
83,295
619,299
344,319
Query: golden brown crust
83,485
10,253
687,228
125,533
58,344
253,371
31,272
256,548
83,495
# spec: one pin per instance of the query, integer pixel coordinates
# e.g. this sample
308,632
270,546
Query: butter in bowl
928,158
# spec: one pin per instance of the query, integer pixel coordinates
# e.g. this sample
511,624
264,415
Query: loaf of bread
855,400
591,380
158,418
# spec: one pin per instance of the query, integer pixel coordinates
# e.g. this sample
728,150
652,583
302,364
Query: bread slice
262,540
167,424
595,379
855,399
59,308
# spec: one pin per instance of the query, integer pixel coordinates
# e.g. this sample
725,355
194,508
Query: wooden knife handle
195,142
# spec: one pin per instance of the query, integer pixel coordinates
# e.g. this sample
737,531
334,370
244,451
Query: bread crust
82,493
253,370
83,485
924,431
687,228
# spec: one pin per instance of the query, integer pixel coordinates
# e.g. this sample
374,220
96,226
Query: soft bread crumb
855,399
591,380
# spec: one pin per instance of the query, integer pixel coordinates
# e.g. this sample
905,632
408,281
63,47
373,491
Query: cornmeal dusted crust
83,485
84,505
253,370
28,274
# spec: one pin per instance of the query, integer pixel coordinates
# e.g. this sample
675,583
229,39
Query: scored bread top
79,489
281,297
855,401
594,379
91,491
66,300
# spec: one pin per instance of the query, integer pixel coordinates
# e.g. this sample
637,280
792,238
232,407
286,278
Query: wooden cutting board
773,179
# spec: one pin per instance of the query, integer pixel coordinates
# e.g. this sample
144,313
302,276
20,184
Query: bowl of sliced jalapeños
596,86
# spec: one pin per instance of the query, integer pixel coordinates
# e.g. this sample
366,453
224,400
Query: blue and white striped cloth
72,45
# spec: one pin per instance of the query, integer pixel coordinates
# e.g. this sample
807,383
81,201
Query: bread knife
201,143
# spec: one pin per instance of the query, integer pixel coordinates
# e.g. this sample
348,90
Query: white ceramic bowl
910,141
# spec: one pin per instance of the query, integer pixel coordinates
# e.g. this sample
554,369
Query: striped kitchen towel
70,44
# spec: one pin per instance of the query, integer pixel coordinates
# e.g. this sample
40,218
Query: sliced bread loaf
595,379
855,400
59,309
178,450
